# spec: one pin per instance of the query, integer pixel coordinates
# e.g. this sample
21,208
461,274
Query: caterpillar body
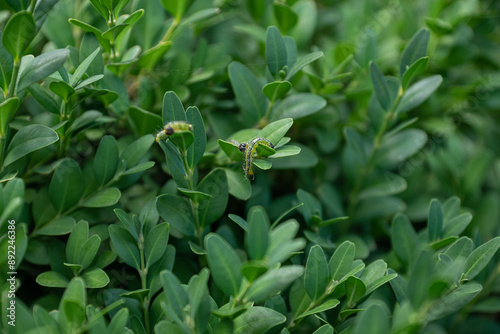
250,149
171,127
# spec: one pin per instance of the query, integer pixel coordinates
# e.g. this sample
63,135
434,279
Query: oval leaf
28,139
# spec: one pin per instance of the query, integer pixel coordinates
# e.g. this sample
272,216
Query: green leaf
325,329
198,16
89,81
127,222
388,184
231,150
441,243
372,321
454,301
113,32
240,221
281,242
89,251
215,185
196,196
253,269
41,67
256,10
276,130
84,121
480,257
399,286
82,68
66,187
286,151
285,16
400,146
238,185
172,108
257,320
303,62
439,26
8,109
6,66
199,300
133,154
380,86
414,70
18,33
44,320
177,212
460,249
62,89
104,198
196,151
119,321
272,282
156,243
355,141
125,245
59,226
106,160
262,164
97,33
373,272
257,236
151,57
28,139
52,279
298,105
139,168
100,8
72,305
416,49
9,176
182,139
275,51
435,220
276,90
174,162
355,289
88,46
43,97
379,282
341,260
175,294
176,8
403,238
248,91
456,225
312,207
76,239
224,264
317,275
328,305
417,93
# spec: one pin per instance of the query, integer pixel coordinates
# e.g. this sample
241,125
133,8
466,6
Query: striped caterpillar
171,127
250,149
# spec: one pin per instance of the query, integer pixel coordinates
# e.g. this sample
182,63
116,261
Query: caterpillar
249,150
171,127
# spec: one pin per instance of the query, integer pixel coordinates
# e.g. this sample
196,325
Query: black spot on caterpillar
171,127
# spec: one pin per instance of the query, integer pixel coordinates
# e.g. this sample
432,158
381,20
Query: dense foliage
368,200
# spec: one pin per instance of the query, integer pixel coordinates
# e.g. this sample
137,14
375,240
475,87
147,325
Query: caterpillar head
242,147
169,130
